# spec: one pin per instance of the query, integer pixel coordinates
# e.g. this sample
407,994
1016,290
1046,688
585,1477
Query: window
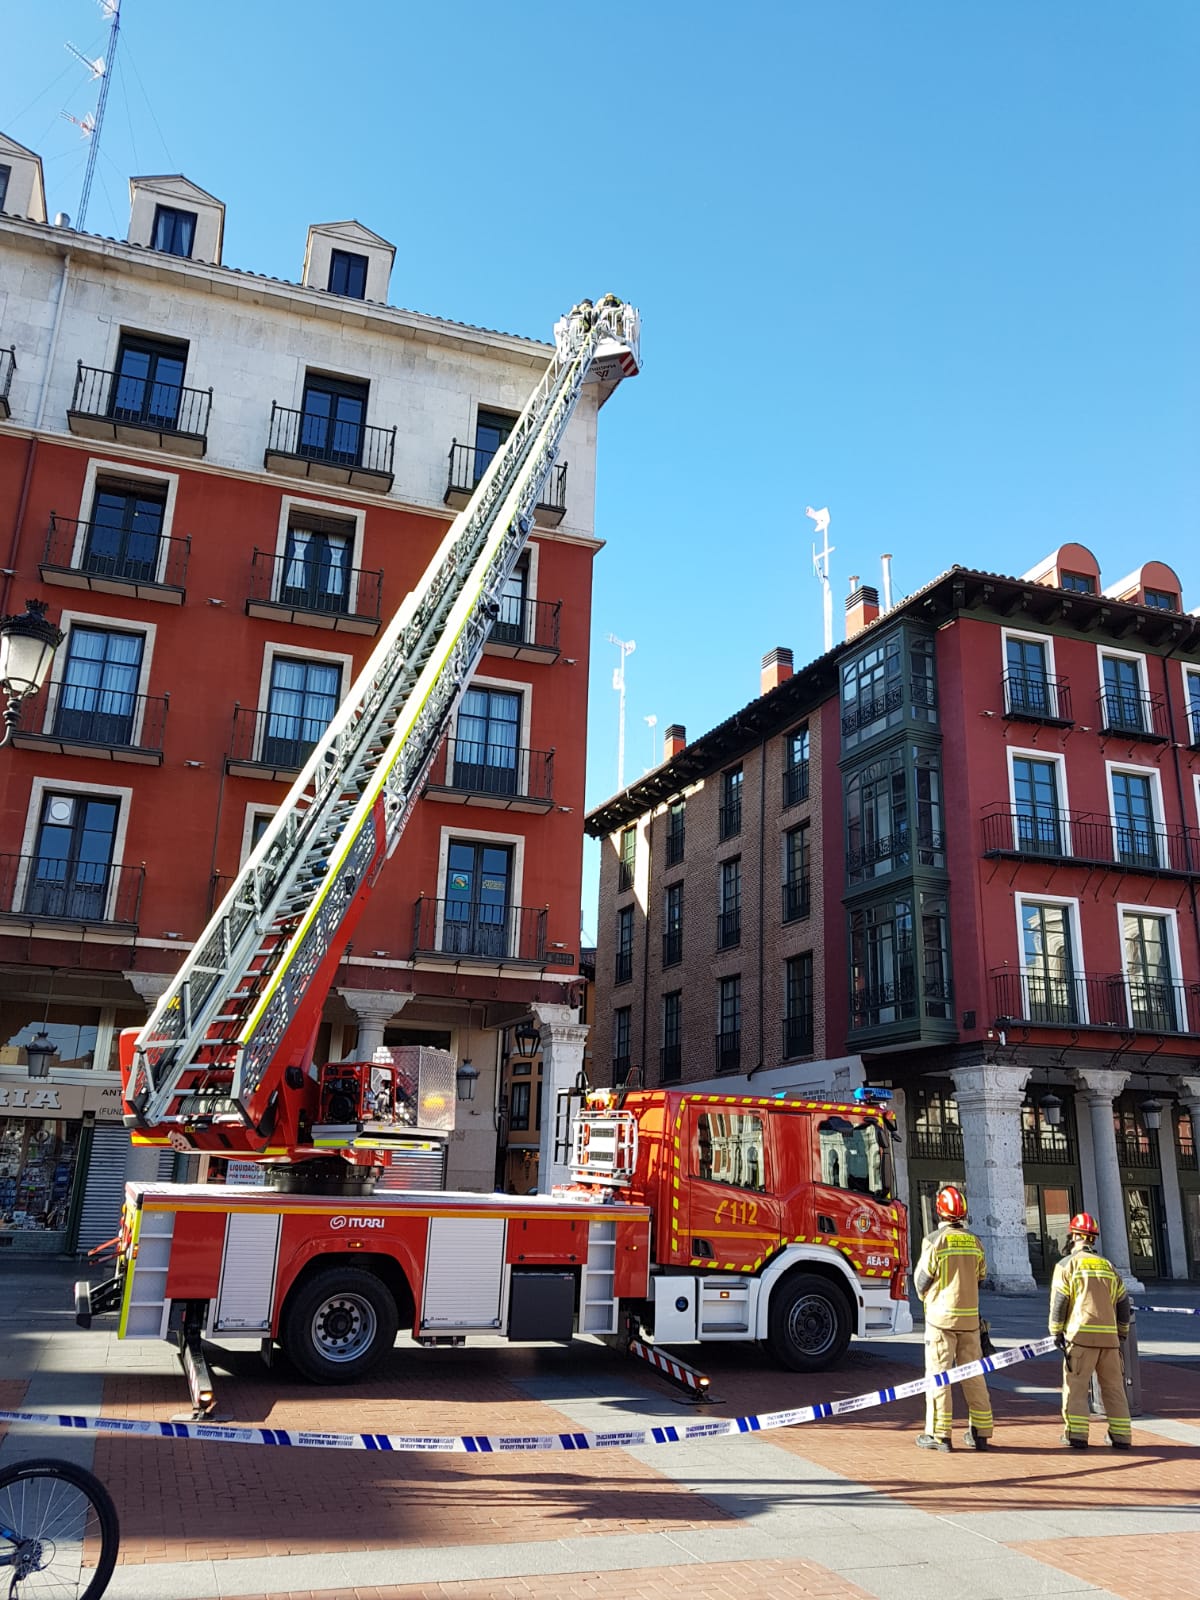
518,1107
673,925
852,1156
492,428
486,743
937,1132
97,697
731,803
622,1028
300,704
1134,820
333,415
148,383
1191,684
730,1148
511,626
174,231
1079,582
478,899
316,564
871,691
5,175
729,916
922,685
72,859
1152,991
348,274
876,819
1124,702
628,859
671,1060
931,839
1035,804
729,1024
883,979
1027,687
1160,600
795,766
259,823
624,964
124,536
1051,984
935,957
798,1006
796,878
677,814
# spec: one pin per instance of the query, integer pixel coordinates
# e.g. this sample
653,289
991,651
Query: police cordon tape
490,1444
1171,1311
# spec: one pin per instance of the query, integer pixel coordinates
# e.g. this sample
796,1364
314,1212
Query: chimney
862,607
776,668
674,740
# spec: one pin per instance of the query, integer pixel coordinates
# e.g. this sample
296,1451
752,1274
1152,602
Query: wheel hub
344,1327
812,1325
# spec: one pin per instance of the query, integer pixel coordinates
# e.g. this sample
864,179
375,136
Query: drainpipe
762,868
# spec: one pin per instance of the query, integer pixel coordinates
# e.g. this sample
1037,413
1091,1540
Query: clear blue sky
932,265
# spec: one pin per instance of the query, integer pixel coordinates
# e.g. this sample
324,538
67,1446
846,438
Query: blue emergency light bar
872,1097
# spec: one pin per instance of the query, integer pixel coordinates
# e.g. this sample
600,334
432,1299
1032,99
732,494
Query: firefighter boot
930,1441
975,1441
1075,1444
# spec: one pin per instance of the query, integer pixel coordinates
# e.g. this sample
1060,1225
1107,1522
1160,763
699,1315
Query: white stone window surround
253,812
1171,917
33,816
1059,761
506,686
1156,795
1192,721
352,516
1196,792
98,469
1103,652
478,836
293,653
69,620
1078,963
1028,636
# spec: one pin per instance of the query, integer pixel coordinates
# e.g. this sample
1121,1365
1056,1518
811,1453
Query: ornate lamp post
27,646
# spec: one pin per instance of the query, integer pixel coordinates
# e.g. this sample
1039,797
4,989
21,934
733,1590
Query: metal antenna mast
101,68
626,647
821,567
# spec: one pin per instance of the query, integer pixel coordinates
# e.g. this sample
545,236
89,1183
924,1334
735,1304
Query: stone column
563,1039
1188,1090
1098,1087
1176,1265
989,1099
374,1009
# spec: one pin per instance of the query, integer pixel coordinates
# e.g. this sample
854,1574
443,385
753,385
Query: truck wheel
339,1326
809,1323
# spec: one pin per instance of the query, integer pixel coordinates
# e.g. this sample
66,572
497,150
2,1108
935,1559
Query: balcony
623,967
798,1035
467,931
469,774
8,365
525,630
106,560
729,1051
795,784
108,724
1127,714
1087,838
730,819
1108,1001
1134,1150
468,465
1037,697
670,1063
673,947
729,929
43,890
126,410
267,744
936,1144
884,1005
796,901
1047,1147
345,453
338,599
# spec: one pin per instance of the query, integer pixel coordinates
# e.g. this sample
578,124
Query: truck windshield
855,1156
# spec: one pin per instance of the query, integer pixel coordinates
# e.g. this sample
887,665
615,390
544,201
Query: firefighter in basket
947,1278
1089,1319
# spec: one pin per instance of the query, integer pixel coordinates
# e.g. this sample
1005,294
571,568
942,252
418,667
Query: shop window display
37,1166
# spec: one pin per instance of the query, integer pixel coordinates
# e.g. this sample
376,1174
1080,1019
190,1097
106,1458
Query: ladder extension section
247,1001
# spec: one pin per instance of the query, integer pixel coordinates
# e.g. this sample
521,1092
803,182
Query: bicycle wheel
58,1532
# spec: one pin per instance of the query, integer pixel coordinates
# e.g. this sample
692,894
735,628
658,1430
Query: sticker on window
496,885
460,880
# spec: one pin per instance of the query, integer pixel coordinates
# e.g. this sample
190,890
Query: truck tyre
339,1325
808,1324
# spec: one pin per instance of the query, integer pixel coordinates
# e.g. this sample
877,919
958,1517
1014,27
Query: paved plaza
833,1509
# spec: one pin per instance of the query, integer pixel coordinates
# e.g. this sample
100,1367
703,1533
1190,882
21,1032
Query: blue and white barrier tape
1171,1311
489,1444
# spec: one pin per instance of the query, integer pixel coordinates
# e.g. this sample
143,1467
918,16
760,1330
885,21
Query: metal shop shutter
104,1187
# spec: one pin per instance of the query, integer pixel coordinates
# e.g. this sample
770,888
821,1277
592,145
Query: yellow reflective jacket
948,1276
1088,1301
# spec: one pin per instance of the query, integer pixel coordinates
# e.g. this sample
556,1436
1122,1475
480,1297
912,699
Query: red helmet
951,1203
1084,1224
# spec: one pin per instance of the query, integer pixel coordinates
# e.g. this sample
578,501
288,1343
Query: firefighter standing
947,1279
1089,1319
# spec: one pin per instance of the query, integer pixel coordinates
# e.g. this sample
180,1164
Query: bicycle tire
49,1513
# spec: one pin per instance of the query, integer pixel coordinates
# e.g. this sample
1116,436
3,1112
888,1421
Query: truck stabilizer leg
195,1367
695,1384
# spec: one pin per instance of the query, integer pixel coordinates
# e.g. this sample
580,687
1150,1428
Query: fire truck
689,1217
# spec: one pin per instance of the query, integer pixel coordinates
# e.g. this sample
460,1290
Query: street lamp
1051,1109
27,646
465,1080
527,1038
39,1054
1151,1115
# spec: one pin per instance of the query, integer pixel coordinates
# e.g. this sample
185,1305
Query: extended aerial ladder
223,1063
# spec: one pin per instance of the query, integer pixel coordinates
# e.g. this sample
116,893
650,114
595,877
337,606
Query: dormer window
1161,600
1080,582
174,231
348,274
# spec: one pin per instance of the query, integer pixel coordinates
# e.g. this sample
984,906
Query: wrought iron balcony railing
730,819
468,464
335,451
1133,1151
469,930
675,839
8,365
52,889
93,555
670,1063
78,720
113,405
672,947
883,1004
936,1144
795,784
269,743
1133,715
332,596
798,1035
508,778
623,966
729,1051
525,626
1089,837
1037,697
796,900
1046,999
729,929
1050,1147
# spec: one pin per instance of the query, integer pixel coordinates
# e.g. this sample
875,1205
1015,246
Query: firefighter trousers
954,1347
1078,1368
